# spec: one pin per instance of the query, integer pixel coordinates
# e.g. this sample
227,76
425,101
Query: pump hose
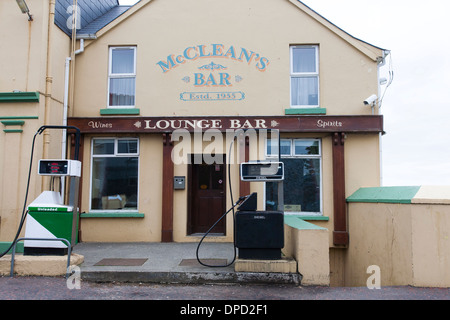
224,215
24,211
207,232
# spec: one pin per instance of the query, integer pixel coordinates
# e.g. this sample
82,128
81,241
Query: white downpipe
65,108
81,50
66,98
64,122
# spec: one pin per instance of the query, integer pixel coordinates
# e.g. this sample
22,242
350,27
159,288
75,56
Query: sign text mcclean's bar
211,51
216,73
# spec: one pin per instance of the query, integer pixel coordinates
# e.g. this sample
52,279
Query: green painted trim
12,130
13,122
112,215
113,111
5,245
19,97
19,118
314,218
384,195
294,111
300,224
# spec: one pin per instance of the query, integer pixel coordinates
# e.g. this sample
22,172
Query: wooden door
207,198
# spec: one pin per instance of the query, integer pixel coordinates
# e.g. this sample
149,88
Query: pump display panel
60,168
262,171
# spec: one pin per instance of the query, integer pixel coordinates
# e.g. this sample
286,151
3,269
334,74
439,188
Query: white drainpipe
65,107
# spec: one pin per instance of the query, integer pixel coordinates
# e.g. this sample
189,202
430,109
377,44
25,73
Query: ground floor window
114,174
302,176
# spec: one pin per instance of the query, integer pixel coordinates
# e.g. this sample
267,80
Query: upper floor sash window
122,77
304,76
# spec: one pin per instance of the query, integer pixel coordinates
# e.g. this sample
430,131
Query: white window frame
120,76
304,75
292,155
114,155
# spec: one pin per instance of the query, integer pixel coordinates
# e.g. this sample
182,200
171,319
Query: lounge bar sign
214,74
348,124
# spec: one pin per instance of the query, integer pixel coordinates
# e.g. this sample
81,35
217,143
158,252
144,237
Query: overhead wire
391,79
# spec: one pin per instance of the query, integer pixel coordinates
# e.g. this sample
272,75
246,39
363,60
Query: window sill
19,97
112,215
294,111
308,217
117,111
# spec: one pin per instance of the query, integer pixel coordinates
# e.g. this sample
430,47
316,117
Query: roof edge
370,50
134,8
373,52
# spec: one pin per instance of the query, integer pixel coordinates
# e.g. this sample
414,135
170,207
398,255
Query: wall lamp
24,8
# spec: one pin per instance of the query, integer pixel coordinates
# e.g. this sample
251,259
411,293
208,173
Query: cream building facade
231,76
162,97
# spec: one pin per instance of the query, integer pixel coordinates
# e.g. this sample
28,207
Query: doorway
207,196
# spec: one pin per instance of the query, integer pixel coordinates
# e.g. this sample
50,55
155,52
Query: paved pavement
58,288
169,263
184,281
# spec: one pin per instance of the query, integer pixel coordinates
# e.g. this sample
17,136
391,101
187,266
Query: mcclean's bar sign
213,74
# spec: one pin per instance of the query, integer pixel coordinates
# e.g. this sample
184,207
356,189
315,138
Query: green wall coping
13,122
112,215
294,111
116,111
297,222
384,195
5,245
19,97
12,130
19,118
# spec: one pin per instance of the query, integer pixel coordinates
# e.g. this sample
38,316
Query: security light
24,8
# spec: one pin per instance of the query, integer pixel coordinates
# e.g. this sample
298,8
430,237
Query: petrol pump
48,216
258,235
